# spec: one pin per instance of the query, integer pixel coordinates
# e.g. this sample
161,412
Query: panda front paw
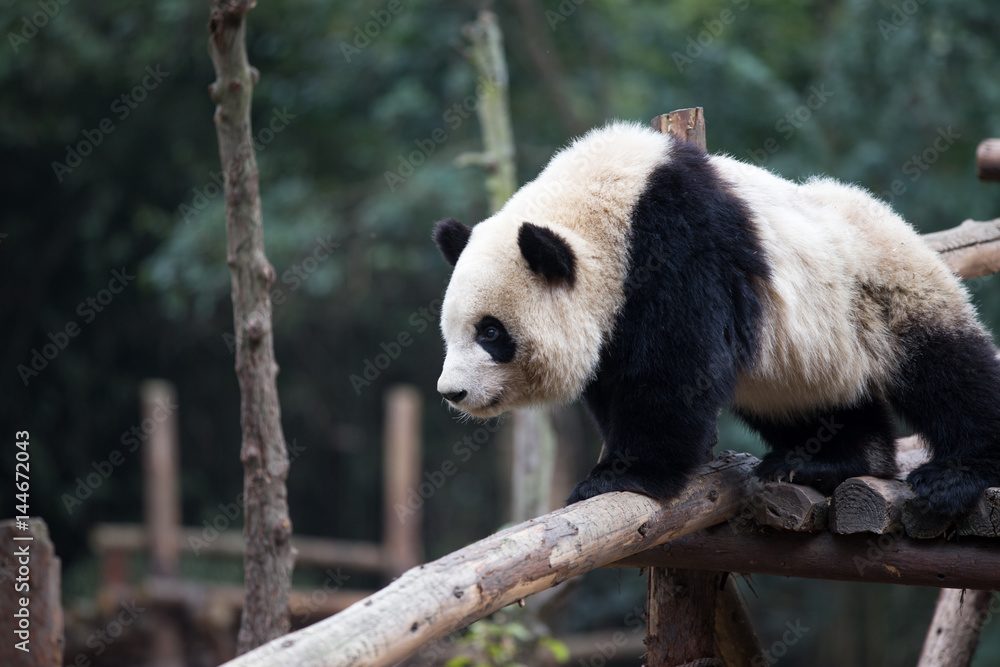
608,477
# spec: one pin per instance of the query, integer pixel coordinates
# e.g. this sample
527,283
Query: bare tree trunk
487,56
954,633
267,528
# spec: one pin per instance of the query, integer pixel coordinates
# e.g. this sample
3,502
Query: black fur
500,344
451,236
547,253
826,448
689,322
949,391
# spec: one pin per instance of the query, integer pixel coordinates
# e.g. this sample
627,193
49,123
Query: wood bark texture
432,600
791,507
736,642
682,613
971,250
869,505
954,632
267,528
985,519
46,638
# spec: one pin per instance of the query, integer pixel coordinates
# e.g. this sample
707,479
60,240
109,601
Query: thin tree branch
267,528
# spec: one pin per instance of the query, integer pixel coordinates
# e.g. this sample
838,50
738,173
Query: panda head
513,327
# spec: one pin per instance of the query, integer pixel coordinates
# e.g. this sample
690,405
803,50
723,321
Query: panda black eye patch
492,336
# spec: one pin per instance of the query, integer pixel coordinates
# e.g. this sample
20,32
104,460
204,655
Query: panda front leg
651,445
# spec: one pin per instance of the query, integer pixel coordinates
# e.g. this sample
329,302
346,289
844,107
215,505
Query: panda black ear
450,235
548,254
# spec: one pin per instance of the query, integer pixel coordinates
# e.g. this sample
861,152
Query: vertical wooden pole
161,487
681,623
162,508
402,517
534,464
696,617
29,557
954,632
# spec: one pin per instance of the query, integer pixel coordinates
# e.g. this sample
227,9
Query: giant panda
663,284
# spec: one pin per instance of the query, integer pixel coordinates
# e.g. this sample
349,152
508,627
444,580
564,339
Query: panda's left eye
492,336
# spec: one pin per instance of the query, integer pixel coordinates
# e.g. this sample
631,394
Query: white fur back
848,274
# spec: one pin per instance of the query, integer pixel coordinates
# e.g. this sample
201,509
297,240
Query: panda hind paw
820,475
951,488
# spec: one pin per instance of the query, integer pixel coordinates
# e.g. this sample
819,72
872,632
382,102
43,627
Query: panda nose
455,396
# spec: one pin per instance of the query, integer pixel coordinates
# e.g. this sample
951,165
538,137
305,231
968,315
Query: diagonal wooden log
433,600
971,250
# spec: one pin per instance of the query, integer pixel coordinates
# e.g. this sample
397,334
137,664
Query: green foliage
500,642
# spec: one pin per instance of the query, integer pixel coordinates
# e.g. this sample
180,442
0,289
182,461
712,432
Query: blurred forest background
850,88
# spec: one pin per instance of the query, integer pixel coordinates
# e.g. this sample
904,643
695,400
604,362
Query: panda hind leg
949,391
825,448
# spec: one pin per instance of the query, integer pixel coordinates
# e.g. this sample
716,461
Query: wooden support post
681,625
401,524
533,464
161,483
28,557
162,509
954,632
